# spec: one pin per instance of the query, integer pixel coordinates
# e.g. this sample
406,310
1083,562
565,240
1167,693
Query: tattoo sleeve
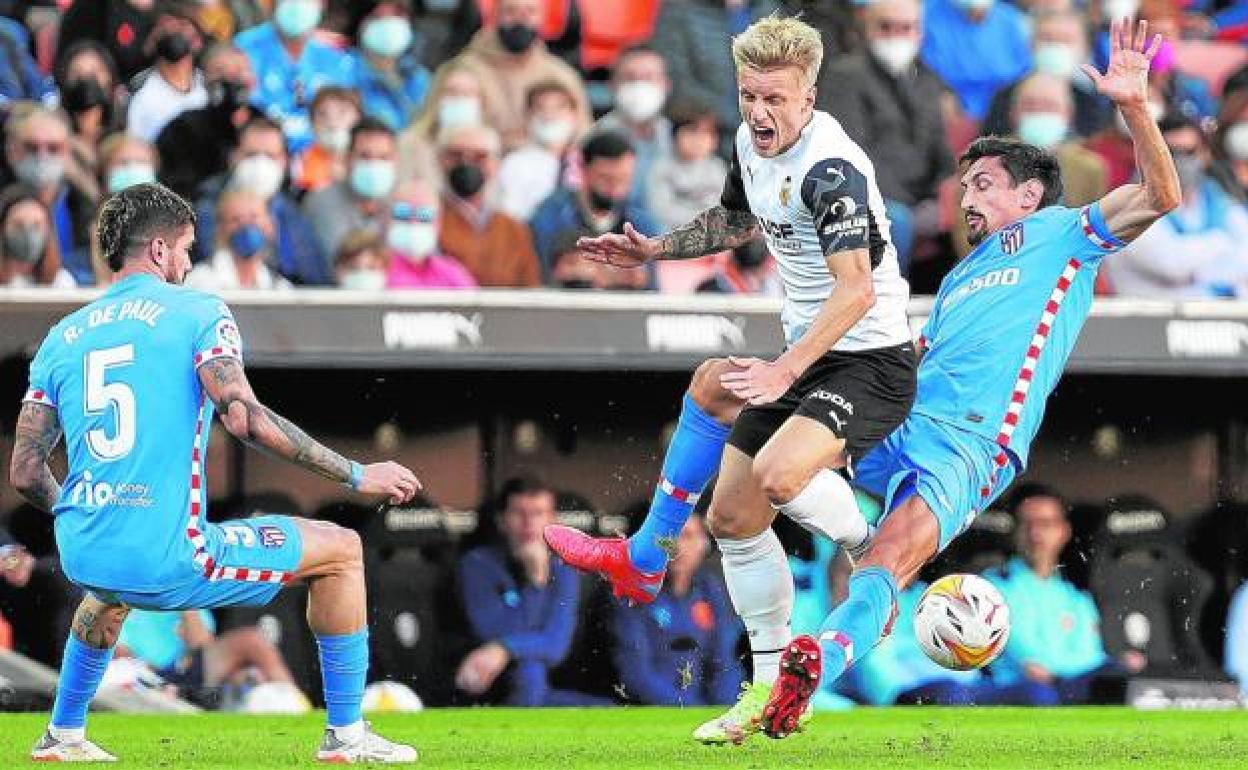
38,430
261,427
713,230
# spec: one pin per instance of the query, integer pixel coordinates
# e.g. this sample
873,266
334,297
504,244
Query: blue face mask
372,178
129,175
296,18
388,36
248,240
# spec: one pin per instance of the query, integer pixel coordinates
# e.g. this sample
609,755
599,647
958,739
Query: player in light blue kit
133,379
1002,326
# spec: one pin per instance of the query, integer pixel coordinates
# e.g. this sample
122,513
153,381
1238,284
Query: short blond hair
776,42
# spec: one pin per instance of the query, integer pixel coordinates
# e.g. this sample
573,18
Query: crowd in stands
404,144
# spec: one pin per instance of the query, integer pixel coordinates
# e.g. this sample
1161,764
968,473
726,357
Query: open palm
1126,78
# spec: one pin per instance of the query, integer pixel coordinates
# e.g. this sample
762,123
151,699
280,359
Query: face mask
600,202
1113,10
388,37
415,240
364,280
1057,59
296,18
373,179
974,5
640,100
229,94
1191,169
173,46
896,54
41,171
83,94
336,140
1237,141
248,240
128,175
25,244
465,179
516,38
259,174
455,111
551,133
1043,129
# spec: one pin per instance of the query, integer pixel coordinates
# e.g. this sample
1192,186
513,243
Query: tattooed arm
38,430
716,229
259,426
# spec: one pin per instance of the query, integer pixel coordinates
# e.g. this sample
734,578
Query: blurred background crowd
400,144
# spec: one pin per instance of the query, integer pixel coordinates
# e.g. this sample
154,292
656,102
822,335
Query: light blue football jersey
121,374
1004,323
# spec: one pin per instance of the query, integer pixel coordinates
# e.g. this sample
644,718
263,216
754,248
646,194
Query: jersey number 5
99,394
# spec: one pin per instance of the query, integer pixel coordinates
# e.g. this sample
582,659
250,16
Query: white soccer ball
962,622
391,697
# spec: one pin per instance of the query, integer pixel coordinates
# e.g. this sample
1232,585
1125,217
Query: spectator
976,46
496,248
601,204
359,201
37,149
1059,47
530,173
839,24
689,180
508,57
173,85
29,254
391,81
335,111
412,236
682,649
521,605
244,248
1114,146
291,65
212,129
1232,138
749,270
640,87
362,261
1197,250
20,77
259,165
571,269
1043,114
121,26
1055,638
884,98
125,160
692,38
87,78
454,100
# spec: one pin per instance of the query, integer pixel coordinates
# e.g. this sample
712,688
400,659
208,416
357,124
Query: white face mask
551,133
1057,59
895,53
414,240
640,100
258,174
454,111
336,140
1237,140
1113,10
363,280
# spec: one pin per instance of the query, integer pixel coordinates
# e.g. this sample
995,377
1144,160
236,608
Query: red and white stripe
1085,220
1022,385
38,396
220,351
195,531
676,493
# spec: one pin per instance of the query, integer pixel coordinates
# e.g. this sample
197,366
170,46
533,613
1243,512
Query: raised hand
632,249
1126,78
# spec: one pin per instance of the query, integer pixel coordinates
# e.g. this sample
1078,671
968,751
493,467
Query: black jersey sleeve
837,194
733,197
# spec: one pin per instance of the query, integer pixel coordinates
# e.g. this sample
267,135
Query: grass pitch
632,738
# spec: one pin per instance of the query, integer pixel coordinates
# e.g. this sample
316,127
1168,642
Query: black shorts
861,396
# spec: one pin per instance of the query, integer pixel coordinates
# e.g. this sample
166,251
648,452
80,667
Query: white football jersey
817,198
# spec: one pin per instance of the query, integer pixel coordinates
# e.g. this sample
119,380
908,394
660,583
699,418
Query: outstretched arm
1131,208
259,426
38,430
716,229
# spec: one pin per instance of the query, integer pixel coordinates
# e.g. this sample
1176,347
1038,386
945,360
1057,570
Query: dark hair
547,86
137,215
524,485
326,93
637,48
688,112
261,122
369,125
60,72
1177,120
605,144
1022,162
1024,492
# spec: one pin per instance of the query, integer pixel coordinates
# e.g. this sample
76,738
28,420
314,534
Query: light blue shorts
954,471
251,559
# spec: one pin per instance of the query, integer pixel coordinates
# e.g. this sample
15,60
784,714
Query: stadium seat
284,623
403,621
610,27
1151,595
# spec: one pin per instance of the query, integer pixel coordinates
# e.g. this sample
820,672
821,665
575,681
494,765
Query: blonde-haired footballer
845,379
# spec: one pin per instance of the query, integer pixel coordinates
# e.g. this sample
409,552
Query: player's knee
778,480
707,393
348,548
723,524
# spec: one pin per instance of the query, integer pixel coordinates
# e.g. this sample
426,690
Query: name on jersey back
144,310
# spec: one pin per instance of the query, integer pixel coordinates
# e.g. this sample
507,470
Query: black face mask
602,203
173,46
465,179
229,94
750,254
576,283
82,94
517,38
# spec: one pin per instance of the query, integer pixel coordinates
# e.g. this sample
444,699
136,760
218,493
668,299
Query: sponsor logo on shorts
834,398
840,424
271,537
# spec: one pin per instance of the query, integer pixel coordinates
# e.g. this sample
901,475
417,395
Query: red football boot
608,556
801,665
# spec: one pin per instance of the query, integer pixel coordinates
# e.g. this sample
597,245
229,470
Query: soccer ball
962,622
391,697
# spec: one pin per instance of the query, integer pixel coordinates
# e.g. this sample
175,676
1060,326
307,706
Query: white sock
826,506
68,734
349,733
761,587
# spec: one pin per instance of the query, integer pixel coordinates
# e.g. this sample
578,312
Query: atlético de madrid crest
1012,238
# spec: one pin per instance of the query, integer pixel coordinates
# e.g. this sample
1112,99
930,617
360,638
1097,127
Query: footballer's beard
976,227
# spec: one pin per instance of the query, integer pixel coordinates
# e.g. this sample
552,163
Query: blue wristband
357,476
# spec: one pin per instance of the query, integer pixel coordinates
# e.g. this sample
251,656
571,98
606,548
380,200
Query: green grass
627,739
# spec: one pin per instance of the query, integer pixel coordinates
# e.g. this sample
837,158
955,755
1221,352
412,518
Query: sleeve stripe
209,354
39,396
1096,230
